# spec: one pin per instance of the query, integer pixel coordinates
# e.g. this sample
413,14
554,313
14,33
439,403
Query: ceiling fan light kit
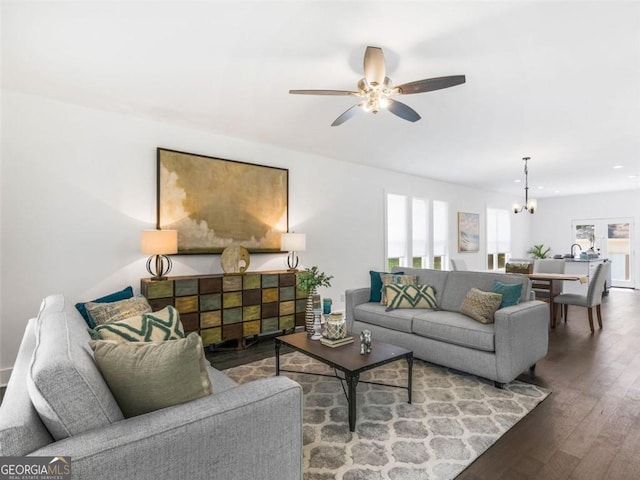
375,90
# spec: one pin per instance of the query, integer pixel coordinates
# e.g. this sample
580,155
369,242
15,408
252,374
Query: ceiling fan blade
430,84
322,92
374,69
347,115
403,111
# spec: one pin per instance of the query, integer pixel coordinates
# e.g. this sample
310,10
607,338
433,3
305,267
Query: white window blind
440,227
420,230
397,226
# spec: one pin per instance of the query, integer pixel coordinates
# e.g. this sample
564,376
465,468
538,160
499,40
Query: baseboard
5,373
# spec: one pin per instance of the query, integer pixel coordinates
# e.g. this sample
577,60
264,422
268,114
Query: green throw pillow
112,297
510,293
411,296
480,305
101,313
148,327
147,376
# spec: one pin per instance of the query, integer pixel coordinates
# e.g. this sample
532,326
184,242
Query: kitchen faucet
575,245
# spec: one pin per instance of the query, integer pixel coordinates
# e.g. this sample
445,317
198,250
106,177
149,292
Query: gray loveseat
239,432
498,351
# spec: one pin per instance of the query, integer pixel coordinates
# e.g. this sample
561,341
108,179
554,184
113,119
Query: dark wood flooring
589,427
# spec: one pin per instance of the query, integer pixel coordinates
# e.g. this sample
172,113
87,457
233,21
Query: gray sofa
498,351
239,432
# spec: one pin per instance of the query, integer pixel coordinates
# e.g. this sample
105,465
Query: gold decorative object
235,260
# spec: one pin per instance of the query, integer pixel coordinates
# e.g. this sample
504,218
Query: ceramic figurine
365,342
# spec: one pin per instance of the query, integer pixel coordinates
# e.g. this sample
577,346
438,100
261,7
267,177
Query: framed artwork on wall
214,203
468,232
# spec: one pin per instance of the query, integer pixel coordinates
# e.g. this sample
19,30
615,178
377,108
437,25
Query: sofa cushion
148,327
147,376
112,297
64,383
460,282
481,306
375,314
410,296
455,328
395,279
510,293
100,313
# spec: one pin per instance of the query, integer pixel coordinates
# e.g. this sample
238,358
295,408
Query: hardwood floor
589,427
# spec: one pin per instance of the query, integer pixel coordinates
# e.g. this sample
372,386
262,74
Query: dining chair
543,290
458,264
592,299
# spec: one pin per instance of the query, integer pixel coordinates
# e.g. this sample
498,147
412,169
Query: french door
611,237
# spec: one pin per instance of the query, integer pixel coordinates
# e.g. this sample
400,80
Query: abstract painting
468,232
214,203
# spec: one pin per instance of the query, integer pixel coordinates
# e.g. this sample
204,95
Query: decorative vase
313,303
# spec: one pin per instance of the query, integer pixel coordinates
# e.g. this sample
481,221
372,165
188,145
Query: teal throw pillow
510,293
376,285
112,297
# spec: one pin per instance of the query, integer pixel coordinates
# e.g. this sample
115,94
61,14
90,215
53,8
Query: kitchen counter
583,266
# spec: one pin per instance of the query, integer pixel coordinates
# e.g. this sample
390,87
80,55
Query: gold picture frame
214,203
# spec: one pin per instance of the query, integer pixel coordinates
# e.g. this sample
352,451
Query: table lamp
159,244
292,243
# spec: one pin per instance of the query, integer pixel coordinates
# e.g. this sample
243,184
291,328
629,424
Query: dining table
552,282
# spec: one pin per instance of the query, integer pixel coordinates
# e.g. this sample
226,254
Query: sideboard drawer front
251,313
210,285
231,332
187,286
232,283
210,319
270,295
159,289
251,297
288,280
251,281
270,310
211,336
233,299
287,308
270,281
187,304
211,301
269,324
287,293
287,322
250,328
190,322
232,315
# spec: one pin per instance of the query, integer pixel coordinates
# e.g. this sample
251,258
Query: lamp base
160,271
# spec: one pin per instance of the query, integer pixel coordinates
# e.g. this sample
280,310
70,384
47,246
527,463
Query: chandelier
530,205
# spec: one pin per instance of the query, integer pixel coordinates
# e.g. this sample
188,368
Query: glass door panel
618,248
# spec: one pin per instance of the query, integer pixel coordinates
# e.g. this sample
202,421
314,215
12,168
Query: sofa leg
532,370
498,385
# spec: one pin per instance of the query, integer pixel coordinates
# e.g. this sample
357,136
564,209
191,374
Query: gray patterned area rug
454,417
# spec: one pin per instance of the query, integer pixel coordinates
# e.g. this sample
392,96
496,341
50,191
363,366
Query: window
498,238
407,230
440,234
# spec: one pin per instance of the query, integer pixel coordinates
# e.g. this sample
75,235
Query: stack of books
336,343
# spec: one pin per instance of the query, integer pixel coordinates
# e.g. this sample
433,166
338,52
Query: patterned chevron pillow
395,279
480,305
148,327
411,296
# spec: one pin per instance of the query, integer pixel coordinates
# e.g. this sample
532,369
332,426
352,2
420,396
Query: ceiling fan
376,91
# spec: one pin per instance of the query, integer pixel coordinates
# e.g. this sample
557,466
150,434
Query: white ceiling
556,81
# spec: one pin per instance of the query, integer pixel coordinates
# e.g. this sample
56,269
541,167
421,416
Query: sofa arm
250,431
521,337
353,298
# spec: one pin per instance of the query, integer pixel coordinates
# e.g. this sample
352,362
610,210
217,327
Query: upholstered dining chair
592,299
542,289
458,264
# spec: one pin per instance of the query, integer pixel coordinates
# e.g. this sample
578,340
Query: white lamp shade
159,242
293,242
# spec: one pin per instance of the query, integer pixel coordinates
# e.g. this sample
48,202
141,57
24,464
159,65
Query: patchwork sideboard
223,308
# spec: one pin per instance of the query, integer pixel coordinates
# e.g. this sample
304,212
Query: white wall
78,186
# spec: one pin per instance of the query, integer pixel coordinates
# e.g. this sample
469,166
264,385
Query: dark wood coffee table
348,360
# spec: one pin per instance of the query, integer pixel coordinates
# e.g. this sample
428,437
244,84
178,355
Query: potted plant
538,251
309,280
